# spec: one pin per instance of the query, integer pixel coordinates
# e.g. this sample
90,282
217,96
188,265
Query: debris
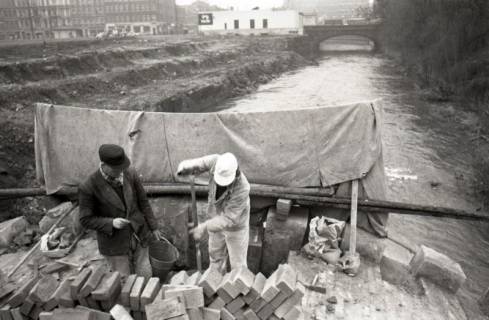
439,268
10,228
332,300
330,307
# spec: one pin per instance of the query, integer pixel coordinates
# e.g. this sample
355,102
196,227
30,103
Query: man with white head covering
228,208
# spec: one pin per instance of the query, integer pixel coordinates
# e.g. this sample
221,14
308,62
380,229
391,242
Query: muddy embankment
169,75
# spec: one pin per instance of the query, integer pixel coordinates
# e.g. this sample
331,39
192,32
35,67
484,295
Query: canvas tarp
302,148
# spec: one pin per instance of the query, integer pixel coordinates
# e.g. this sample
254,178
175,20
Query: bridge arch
320,33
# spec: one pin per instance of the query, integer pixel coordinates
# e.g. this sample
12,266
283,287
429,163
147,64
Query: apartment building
59,19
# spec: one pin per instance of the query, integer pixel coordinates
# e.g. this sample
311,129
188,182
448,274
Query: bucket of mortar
162,257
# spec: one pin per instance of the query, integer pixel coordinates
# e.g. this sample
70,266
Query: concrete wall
279,22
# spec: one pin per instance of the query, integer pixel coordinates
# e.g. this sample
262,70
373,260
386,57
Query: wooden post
353,217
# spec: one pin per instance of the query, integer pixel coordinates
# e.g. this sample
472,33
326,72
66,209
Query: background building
327,9
251,22
58,19
141,16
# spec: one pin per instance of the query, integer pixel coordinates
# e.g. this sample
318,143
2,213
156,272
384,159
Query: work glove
184,168
198,232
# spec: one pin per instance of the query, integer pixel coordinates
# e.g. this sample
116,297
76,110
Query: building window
265,23
252,23
236,24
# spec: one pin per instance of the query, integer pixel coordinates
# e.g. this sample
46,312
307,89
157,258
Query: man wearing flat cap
113,202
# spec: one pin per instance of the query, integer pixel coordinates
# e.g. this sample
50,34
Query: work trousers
137,261
232,243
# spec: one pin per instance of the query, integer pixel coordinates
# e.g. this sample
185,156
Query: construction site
331,229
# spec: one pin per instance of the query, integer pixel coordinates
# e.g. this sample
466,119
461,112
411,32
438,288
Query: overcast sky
239,4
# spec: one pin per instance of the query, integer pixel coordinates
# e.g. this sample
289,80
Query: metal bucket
162,257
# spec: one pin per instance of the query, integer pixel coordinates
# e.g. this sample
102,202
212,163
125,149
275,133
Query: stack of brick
243,295
239,294
89,295
138,292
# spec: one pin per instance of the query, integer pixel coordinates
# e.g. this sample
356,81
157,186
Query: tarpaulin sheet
307,147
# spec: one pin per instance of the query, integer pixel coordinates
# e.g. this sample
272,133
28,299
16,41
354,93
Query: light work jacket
231,212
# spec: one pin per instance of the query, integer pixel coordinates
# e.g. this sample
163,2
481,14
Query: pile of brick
90,295
239,294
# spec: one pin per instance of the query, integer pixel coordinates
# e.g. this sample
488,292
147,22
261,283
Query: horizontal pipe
304,196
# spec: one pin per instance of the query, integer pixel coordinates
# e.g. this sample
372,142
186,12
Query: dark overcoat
100,204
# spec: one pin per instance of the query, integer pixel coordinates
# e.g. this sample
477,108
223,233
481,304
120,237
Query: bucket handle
177,255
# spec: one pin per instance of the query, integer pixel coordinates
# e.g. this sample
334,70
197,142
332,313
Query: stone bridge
319,33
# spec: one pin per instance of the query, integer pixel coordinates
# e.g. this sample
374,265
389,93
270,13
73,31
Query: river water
427,155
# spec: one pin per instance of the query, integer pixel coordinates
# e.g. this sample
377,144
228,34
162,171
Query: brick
224,295
226,290
217,304
270,289
293,300
287,279
27,306
35,311
182,317
484,302
72,314
258,304
192,296
83,301
99,315
109,286
135,296
256,288
239,315
45,315
193,280
438,268
243,280
43,289
283,208
150,291
92,282
266,311
118,312
279,299
228,284
255,248
226,315
20,294
55,267
195,314
5,313
63,295
394,264
273,317
6,289
137,315
179,279
210,281
92,303
250,315
235,305
79,282
211,314
16,314
294,314
165,309
126,289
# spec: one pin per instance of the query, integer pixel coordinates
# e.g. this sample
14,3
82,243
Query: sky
239,4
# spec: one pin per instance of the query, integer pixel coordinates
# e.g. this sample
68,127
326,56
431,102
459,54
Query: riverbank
169,74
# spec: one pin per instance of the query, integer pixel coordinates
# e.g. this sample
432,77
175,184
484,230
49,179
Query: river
428,158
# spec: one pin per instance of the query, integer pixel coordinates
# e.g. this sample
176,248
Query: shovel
195,221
